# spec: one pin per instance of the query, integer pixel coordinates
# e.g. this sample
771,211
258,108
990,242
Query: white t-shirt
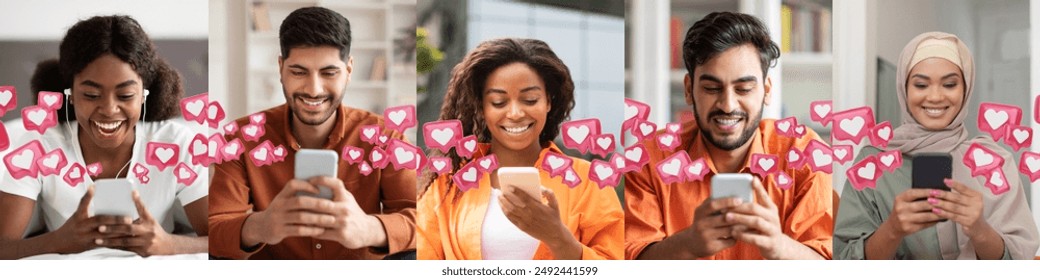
500,239
58,201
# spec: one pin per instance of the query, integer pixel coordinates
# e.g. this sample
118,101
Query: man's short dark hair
719,31
314,27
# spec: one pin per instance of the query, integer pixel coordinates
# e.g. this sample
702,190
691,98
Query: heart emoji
881,134
619,162
399,118
634,111
994,118
252,132
377,157
603,174
841,153
21,162
671,169
821,112
192,107
466,146
440,165
442,135
555,163
94,169
352,155
144,179
696,170
890,160
232,150
258,118
1019,137
52,162
467,177
603,144
230,128
50,100
487,164
185,175
764,164
795,159
819,156
785,126
39,119
643,130
667,141
279,153
404,155
799,131
364,168
853,124
673,127
981,160
1029,165
199,150
215,143
864,174
571,178
383,139
8,99
576,134
783,181
636,157
997,182
214,114
161,155
261,155
140,170
369,134
74,175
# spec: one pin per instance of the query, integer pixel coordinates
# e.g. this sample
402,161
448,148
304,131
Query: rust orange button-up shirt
657,210
240,188
450,228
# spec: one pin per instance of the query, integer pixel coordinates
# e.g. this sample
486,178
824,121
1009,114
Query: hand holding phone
112,197
732,185
526,179
313,162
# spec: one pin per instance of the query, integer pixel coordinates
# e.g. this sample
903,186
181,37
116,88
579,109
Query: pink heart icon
230,128
378,158
185,175
215,148
39,119
404,155
144,179
467,146
162,155
994,118
643,130
140,170
1029,165
571,178
252,132
50,100
261,154
602,144
21,162
576,134
981,160
353,155
881,134
215,114
74,175
673,127
52,162
232,150
199,150
555,163
819,156
636,157
383,139
997,182
783,181
841,153
672,168
258,118
487,164
94,169
364,168
696,170
786,126
853,124
618,160
467,177
399,118
279,153
5,140
440,165
864,174
634,111
795,159
603,174
442,135
370,134
820,112
668,141
890,160
764,164
8,99
192,108
799,131
1019,137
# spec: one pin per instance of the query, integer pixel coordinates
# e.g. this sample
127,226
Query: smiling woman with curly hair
513,94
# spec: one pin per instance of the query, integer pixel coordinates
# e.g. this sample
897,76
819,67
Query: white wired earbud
144,105
68,104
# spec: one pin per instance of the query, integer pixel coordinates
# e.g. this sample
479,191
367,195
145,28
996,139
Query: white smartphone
732,185
313,162
525,178
113,197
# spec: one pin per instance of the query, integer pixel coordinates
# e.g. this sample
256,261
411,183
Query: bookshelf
384,74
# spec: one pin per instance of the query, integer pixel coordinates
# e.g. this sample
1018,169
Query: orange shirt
657,210
450,229
240,188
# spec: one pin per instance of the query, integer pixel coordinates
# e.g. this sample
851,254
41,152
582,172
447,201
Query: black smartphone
930,169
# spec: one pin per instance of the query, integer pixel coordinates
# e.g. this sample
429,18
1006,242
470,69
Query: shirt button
318,246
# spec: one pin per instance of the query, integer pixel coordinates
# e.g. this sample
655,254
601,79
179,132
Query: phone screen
930,169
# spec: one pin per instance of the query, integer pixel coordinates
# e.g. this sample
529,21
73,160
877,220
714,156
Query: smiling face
935,92
108,97
515,106
728,93
313,81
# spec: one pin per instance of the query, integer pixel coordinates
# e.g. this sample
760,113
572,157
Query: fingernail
102,228
936,210
935,192
98,241
933,201
729,216
948,181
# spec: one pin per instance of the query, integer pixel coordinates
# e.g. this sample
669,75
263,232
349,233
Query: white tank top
500,239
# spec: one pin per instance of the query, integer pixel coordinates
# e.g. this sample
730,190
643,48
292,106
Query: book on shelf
378,69
676,36
805,28
261,17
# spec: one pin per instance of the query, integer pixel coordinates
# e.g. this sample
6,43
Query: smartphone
313,162
732,185
114,197
930,169
526,179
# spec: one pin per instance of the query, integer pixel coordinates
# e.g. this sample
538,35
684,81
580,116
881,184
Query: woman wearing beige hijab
935,82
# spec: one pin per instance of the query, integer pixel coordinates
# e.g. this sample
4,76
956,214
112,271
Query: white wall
49,19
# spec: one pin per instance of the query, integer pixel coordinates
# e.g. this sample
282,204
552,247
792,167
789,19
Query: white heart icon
376,156
995,119
604,172
634,154
50,161
821,159
630,111
666,140
257,118
982,158
365,167
570,176
403,155
260,154
485,163
470,175
783,126
646,129
229,127
555,162
37,117
368,132
696,168
604,142
867,171
5,96
397,116
184,173
75,173
1033,164
793,156
887,160
279,151
24,159
231,148
672,167
92,169
439,165
250,130
50,100
995,179
354,154
164,154
822,110
443,135
470,145
782,180
194,107
198,147
619,163
578,133
766,163
1020,135
852,126
212,148
884,133
840,153
212,112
